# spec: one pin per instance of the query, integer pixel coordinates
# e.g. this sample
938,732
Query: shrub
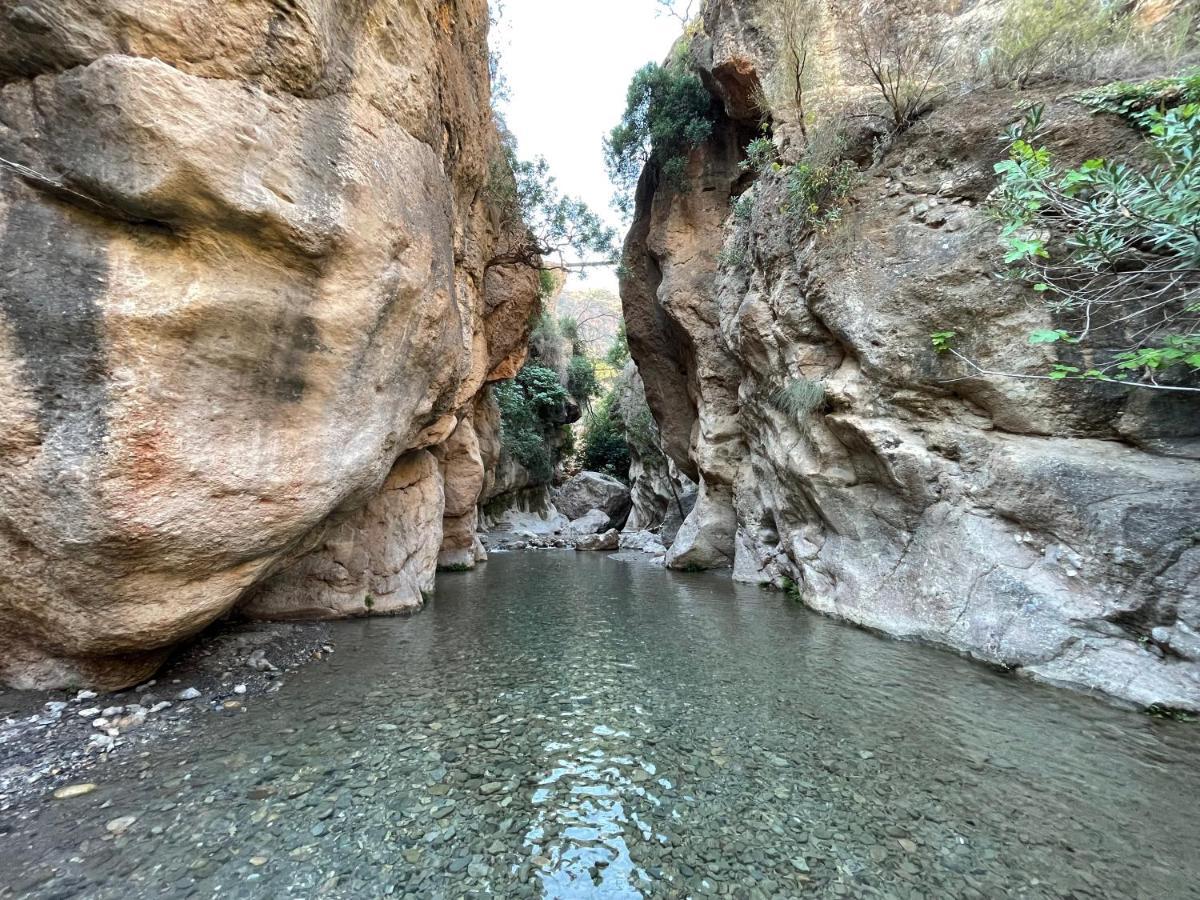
531,405
1114,248
760,155
1130,100
1050,37
618,353
668,113
820,183
903,49
547,284
535,219
605,448
795,28
582,383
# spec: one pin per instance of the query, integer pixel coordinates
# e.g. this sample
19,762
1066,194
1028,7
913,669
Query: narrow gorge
379,518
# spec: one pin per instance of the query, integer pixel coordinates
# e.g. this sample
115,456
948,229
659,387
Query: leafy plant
1132,99
1113,247
760,154
668,113
618,353
942,340
535,219
547,284
817,190
582,383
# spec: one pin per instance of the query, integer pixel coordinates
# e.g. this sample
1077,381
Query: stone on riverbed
593,522
610,540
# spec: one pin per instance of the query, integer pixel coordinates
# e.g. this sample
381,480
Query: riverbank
68,741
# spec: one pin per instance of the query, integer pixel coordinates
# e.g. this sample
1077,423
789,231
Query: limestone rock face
1045,527
381,560
588,491
244,273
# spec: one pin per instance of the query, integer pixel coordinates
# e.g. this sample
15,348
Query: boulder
592,490
676,514
643,542
593,522
610,540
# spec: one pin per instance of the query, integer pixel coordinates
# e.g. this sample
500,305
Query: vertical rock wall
244,294
1042,527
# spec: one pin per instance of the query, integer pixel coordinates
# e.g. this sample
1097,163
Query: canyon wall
1039,526
245,313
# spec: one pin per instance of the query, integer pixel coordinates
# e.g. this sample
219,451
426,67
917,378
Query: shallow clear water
568,725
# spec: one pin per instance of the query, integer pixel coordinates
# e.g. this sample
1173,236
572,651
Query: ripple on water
567,726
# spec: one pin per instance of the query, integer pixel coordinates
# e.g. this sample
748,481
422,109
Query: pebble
120,825
74,790
188,694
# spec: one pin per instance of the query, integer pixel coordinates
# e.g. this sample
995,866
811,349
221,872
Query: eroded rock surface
245,270
589,491
1045,527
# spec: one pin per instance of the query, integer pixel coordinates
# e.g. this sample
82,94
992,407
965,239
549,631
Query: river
569,725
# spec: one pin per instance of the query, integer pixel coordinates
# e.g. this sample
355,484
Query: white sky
568,64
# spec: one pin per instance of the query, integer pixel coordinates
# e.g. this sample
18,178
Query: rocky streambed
570,725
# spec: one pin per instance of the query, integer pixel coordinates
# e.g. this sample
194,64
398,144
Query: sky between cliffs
568,64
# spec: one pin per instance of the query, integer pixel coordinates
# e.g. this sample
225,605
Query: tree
668,112
536,221
605,448
795,27
677,9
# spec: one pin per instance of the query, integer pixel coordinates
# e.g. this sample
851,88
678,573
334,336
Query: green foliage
760,154
942,340
668,113
618,353
535,219
799,398
1113,246
743,208
547,284
369,602
582,383
1131,99
604,445
530,407
733,256
817,191
1038,38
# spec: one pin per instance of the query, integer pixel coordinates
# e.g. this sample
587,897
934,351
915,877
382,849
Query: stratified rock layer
244,272
1045,527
